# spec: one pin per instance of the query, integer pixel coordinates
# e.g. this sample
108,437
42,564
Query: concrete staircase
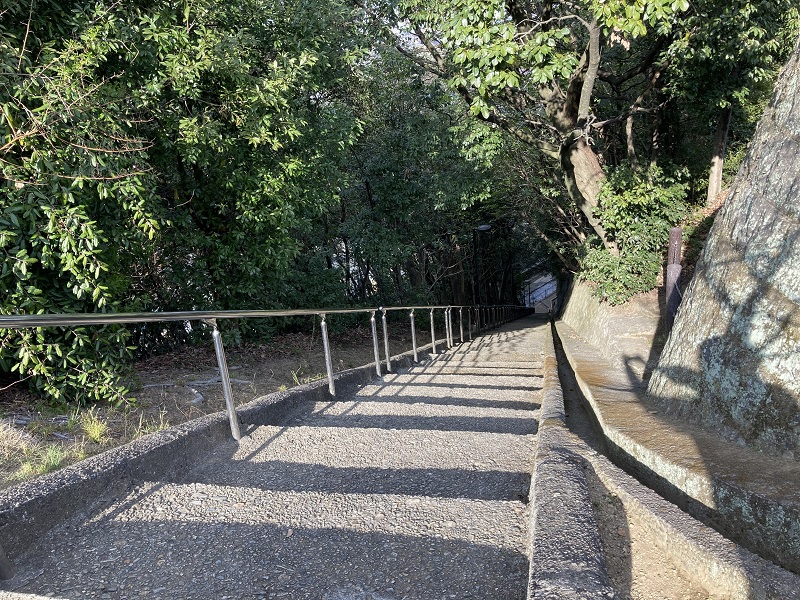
415,486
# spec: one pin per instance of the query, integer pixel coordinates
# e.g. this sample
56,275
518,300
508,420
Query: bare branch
646,63
107,178
427,65
3,389
631,147
548,149
593,64
25,39
437,56
143,146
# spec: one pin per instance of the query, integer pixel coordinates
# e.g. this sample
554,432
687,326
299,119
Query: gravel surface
416,487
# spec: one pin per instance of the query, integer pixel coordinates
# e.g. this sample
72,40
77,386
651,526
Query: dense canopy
196,154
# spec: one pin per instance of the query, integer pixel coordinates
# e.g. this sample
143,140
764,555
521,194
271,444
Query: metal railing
542,292
479,318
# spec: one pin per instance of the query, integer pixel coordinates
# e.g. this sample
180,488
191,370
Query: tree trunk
718,156
456,275
583,175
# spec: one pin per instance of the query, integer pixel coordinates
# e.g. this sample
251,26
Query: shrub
637,210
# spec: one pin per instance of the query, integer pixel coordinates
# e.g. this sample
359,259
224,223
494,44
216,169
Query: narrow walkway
416,487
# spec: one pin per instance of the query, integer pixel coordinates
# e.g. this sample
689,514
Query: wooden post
673,290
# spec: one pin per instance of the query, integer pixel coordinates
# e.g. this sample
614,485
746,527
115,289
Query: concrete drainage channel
567,559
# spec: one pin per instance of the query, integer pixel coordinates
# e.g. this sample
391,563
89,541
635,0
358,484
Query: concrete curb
566,555
723,567
30,509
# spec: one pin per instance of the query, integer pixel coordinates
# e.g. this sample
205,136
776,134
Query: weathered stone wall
627,336
732,362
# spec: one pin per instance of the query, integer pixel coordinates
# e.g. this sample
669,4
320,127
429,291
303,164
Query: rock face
732,362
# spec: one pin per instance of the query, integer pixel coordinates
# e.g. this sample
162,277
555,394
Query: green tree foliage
74,186
594,86
638,210
207,154
158,155
420,179
246,140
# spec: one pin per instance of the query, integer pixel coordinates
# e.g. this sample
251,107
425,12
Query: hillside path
415,487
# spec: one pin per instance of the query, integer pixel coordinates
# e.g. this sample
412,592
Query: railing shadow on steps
478,319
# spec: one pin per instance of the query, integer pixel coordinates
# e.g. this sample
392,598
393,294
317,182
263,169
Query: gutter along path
414,487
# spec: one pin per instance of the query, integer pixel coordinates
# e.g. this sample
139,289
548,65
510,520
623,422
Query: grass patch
39,461
94,427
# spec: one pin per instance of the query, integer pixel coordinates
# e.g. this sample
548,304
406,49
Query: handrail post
444,322
386,341
225,378
469,322
433,334
450,324
375,344
461,322
413,335
448,327
323,326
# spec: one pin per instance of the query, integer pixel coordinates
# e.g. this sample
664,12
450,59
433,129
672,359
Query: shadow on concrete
722,415
475,403
513,426
218,557
614,532
279,529
419,381
437,483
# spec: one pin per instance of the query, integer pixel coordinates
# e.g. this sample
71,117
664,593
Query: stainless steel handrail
485,318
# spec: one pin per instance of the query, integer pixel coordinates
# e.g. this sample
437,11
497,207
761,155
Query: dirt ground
36,437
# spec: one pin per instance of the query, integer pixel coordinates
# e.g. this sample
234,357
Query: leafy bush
637,210
157,157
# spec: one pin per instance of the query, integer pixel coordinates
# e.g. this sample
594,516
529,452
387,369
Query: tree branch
437,56
547,148
25,39
593,64
427,65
